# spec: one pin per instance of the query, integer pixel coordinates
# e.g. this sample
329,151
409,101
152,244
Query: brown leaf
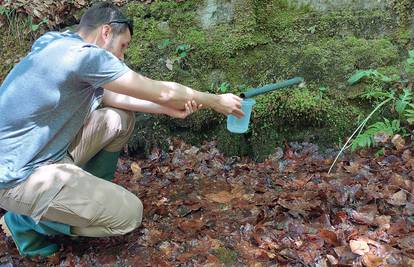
191,225
345,253
381,137
398,141
409,209
329,237
220,197
359,247
407,243
353,168
398,199
400,182
383,221
363,218
332,259
136,170
370,260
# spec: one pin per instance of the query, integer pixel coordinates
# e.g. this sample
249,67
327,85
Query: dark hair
105,13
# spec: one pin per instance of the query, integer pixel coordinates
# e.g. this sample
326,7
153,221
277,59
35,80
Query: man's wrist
212,100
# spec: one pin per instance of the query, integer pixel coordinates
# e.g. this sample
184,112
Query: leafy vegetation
20,26
391,93
401,104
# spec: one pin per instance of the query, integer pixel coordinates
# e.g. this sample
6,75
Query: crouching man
58,152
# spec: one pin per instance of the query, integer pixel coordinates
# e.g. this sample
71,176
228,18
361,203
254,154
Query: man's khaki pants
65,193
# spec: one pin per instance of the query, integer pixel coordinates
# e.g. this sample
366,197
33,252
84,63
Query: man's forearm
176,95
165,93
134,104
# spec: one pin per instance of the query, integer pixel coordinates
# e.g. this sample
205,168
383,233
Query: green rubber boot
31,238
103,164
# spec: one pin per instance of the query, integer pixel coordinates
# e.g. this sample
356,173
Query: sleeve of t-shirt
98,66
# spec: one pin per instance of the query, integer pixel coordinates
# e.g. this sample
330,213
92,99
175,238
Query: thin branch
359,128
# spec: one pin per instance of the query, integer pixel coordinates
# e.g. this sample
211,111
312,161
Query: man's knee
121,120
123,123
133,217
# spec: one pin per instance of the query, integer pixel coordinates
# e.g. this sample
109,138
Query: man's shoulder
60,39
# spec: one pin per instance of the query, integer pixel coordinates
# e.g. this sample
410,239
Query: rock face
214,12
221,46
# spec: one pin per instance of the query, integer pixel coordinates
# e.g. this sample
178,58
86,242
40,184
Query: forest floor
205,209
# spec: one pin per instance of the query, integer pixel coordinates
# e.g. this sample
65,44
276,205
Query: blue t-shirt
45,100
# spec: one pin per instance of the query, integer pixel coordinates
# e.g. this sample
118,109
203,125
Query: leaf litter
205,209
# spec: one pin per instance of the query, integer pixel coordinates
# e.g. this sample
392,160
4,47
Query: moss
403,38
148,134
227,256
267,41
404,11
233,144
300,115
318,60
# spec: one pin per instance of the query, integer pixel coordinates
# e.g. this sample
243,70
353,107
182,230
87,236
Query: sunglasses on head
128,22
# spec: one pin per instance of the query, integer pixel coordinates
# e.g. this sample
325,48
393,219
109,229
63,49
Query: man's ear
106,32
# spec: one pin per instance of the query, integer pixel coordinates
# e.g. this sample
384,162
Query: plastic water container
241,125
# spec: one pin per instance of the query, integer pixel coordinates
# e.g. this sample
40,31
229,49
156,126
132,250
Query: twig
359,128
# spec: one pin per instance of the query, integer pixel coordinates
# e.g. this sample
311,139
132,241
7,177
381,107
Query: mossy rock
233,144
265,42
149,133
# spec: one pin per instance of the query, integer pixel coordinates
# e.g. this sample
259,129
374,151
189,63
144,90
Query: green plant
367,138
165,43
224,87
34,27
409,64
18,25
371,74
321,92
181,52
409,113
403,101
402,105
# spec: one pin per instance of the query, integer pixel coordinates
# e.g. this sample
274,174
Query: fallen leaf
169,64
383,221
353,168
329,236
381,137
370,260
191,225
359,247
398,142
332,259
398,199
136,170
409,209
363,218
220,197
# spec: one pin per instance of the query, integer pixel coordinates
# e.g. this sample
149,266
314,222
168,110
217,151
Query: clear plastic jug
241,125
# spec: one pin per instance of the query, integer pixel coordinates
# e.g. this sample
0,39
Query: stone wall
233,45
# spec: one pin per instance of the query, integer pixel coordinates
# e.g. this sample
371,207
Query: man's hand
190,107
229,104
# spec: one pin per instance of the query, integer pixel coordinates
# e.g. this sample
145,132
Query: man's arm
171,94
134,104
